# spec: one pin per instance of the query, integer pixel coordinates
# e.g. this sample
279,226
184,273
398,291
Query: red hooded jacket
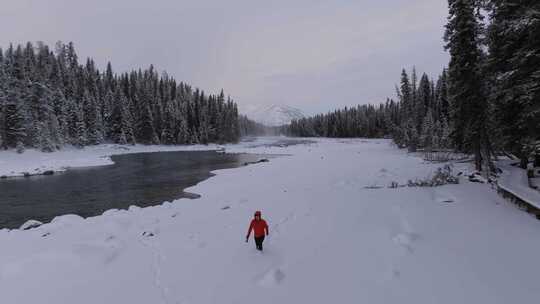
258,227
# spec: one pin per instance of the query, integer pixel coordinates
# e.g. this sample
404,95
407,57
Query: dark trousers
259,241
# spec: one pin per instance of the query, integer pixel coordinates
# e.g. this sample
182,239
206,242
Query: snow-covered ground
331,239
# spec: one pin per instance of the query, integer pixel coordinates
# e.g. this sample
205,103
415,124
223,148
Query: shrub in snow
30,224
442,176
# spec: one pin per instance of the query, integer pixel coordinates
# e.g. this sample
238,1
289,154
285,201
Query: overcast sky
313,55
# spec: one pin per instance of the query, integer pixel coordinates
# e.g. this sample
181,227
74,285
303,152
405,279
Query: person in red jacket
259,227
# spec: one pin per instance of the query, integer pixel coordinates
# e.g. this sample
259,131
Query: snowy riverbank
34,162
331,239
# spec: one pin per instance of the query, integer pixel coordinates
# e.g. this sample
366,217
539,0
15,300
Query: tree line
48,99
487,101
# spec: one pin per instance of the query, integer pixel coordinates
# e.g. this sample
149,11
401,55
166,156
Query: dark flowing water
142,179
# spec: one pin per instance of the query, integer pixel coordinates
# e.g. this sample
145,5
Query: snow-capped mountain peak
275,115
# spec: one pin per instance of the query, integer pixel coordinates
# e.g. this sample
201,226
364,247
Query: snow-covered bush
442,176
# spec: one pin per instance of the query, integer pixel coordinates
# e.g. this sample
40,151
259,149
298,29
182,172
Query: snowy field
332,240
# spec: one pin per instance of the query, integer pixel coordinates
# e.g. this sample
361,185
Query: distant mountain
275,115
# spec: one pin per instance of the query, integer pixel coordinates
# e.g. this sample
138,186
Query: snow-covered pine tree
423,103
107,109
34,78
414,88
169,125
445,140
2,123
441,92
93,120
413,137
120,127
42,125
14,124
428,137
3,80
235,127
59,106
405,97
14,114
437,134
29,63
220,119
146,133
204,125
76,126
183,135
514,63
465,90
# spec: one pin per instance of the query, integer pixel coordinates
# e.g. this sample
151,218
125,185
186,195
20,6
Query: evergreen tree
183,135
145,128
406,97
121,130
42,125
465,90
442,96
429,132
59,106
514,63
48,99
423,103
76,125
2,100
444,138
14,121
93,120
169,124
